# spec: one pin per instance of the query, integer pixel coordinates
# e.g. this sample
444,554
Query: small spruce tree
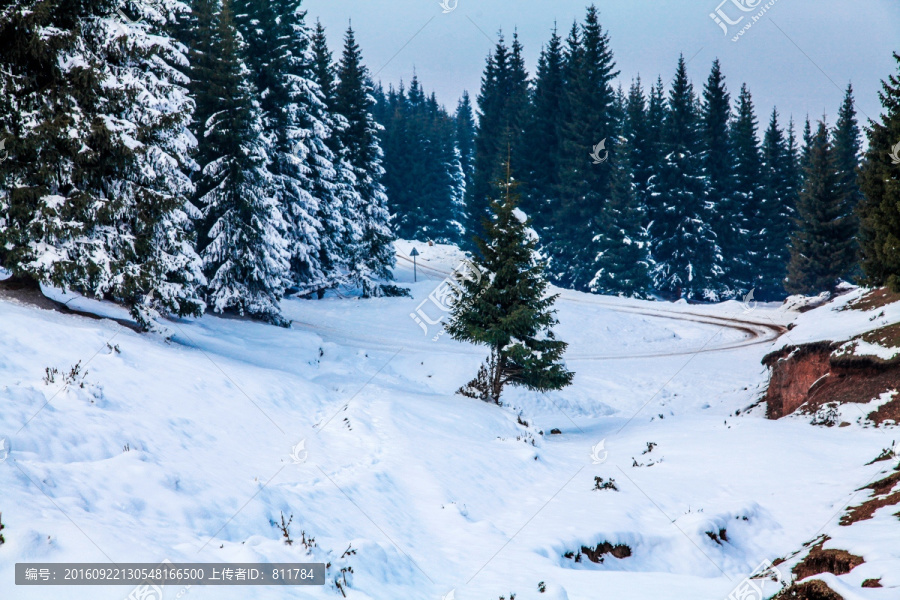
511,313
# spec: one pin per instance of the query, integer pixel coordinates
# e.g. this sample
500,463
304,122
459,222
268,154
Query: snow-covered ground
182,450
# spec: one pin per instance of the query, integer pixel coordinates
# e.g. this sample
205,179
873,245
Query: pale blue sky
789,58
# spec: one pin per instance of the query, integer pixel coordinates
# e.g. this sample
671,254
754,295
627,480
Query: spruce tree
296,122
353,102
511,313
847,155
879,210
94,191
502,105
341,222
718,170
775,212
822,248
541,153
589,117
686,255
622,264
748,226
245,256
465,145
654,153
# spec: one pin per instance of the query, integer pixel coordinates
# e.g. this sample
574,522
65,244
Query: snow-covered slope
182,450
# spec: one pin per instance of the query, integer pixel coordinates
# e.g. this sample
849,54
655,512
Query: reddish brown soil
872,583
882,497
810,375
838,562
811,590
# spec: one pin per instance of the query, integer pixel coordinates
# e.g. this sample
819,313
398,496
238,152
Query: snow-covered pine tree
622,264
245,257
775,213
688,262
353,101
590,116
822,246
465,145
718,171
879,177
98,105
746,244
341,224
512,313
295,119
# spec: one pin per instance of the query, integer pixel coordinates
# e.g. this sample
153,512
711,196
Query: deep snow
434,491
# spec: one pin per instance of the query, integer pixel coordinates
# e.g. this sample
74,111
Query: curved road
754,332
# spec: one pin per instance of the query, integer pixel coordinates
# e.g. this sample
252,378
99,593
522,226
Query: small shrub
600,484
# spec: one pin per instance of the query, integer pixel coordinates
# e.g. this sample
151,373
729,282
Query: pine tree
94,194
502,106
822,247
342,230
353,101
718,170
590,117
746,246
622,264
847,155
465,145
511,314
540,155
775,211
246,256
297,124
654,153
687,258
423,171
879,211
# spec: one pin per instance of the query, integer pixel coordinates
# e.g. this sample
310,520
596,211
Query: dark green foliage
584,190
93,192
244,255
879,211
502,110
775,211
847,155
718,170
508,309
822,248
743,249
422,169
541,154
687,258
353,100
